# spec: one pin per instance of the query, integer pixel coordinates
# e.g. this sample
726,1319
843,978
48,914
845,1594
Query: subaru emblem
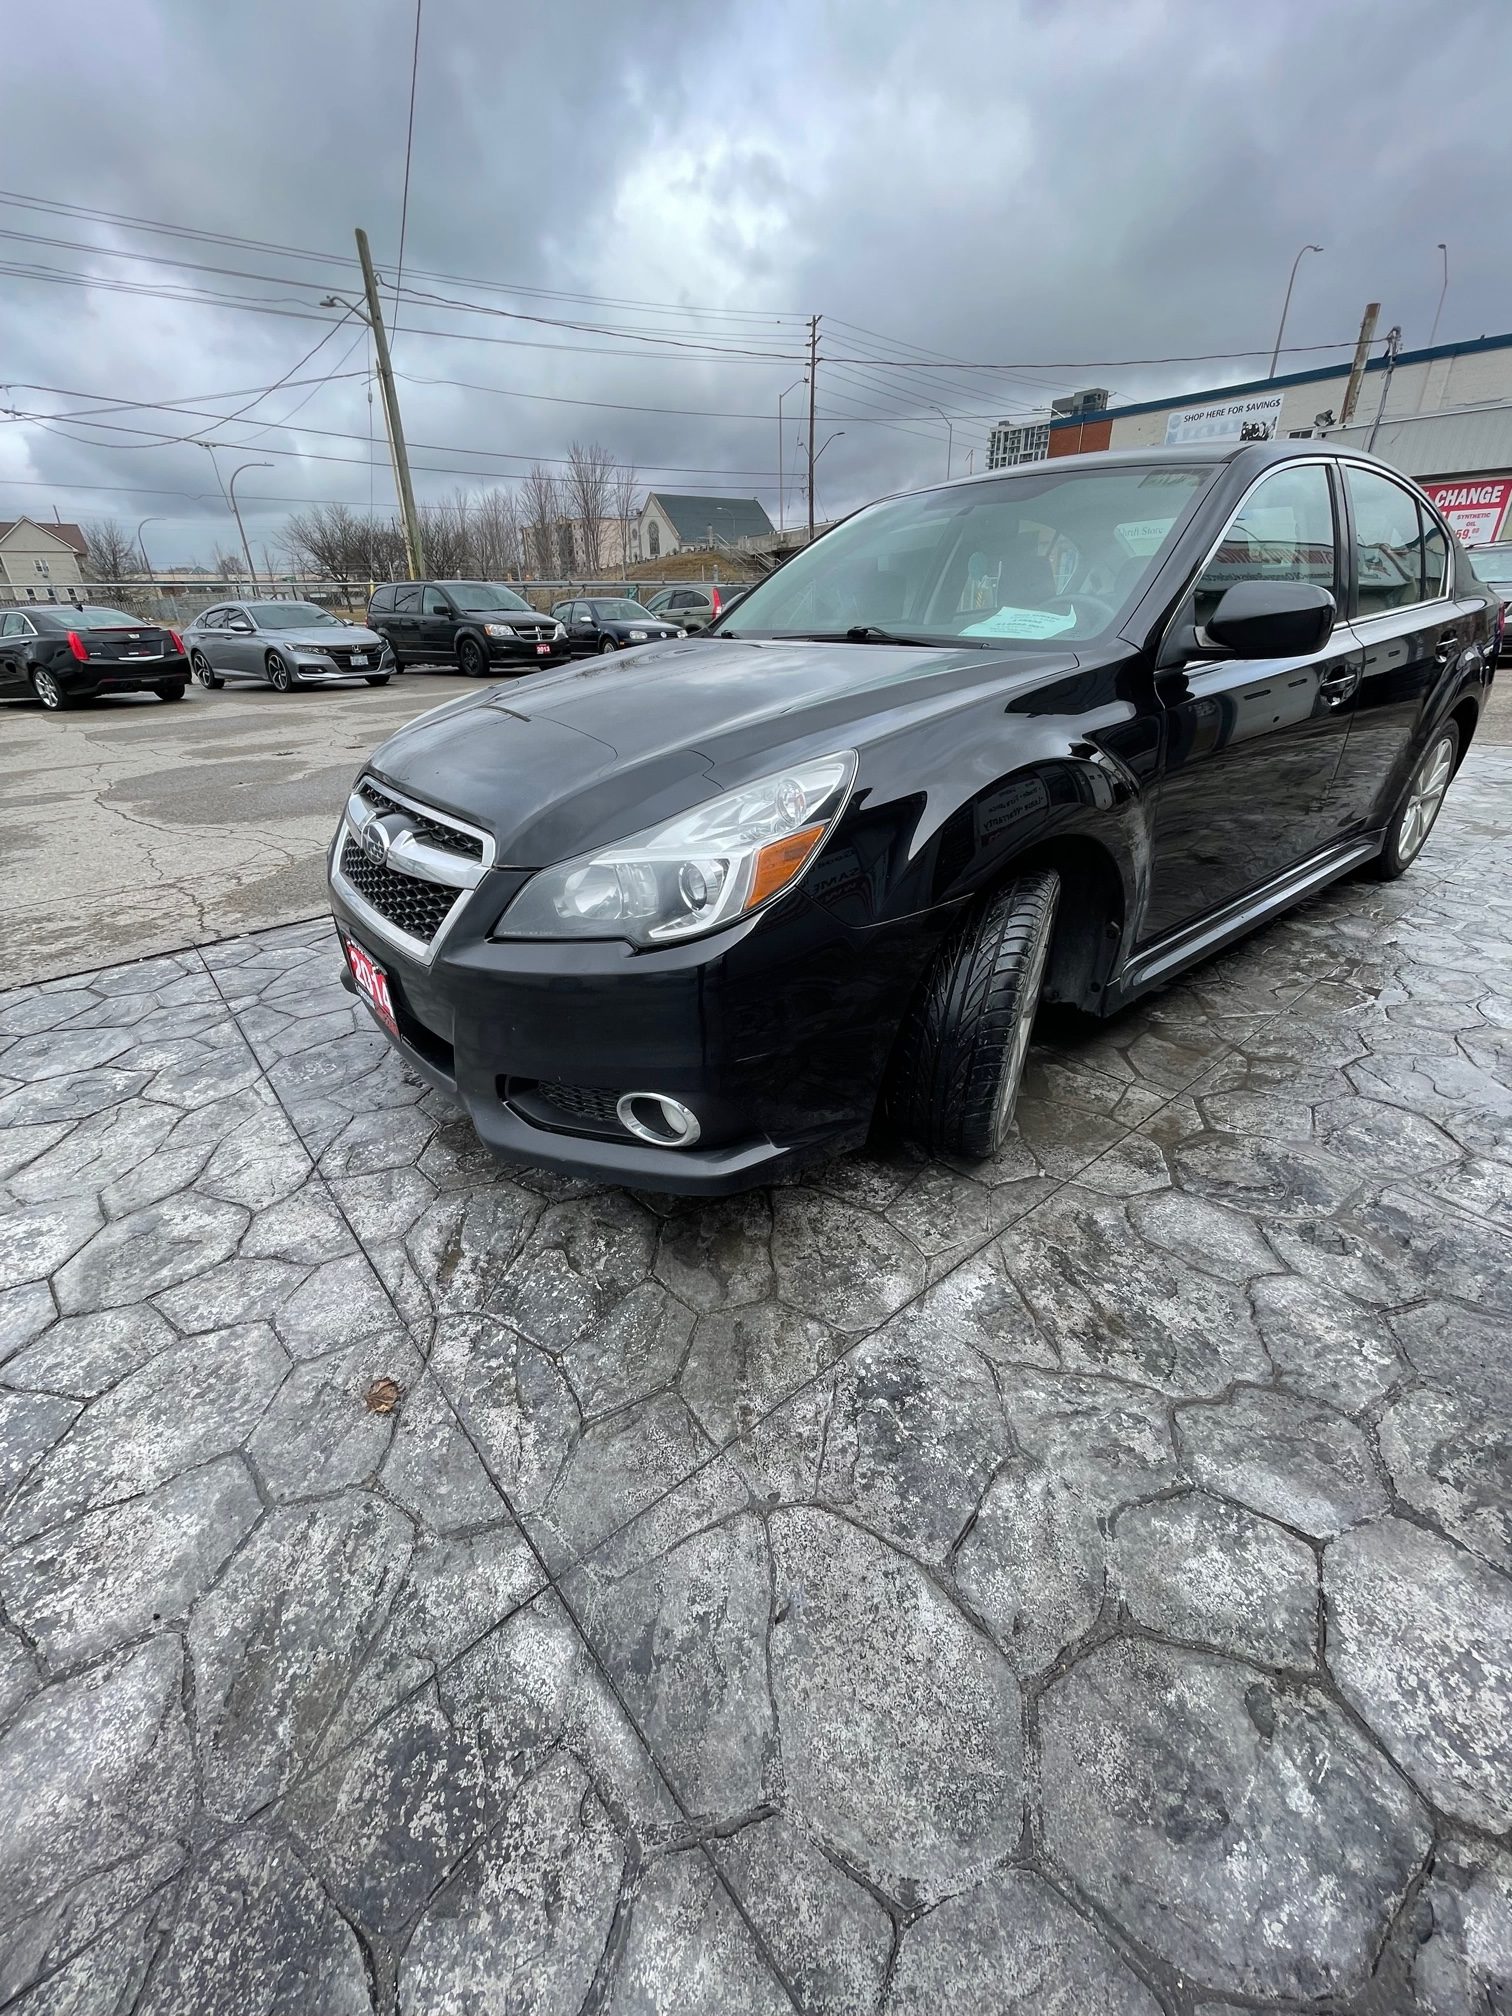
375,842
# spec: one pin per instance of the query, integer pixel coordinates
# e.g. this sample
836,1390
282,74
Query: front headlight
681,633
560,630
703,869
498,630
637,636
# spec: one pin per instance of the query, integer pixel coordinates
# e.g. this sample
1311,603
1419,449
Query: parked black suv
677,919
478,626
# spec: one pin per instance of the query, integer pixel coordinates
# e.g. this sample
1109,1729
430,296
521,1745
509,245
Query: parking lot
1076,1584
128,827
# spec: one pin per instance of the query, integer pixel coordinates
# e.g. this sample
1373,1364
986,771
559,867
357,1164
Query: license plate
543,650
372,983
359,658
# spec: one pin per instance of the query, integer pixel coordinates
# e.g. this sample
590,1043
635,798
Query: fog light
654,1117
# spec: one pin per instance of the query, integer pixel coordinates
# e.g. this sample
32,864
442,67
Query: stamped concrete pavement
1080,1584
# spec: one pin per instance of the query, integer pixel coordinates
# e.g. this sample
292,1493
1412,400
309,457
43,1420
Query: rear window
407,597
383,599
105,619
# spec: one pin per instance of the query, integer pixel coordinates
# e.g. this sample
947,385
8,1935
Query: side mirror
1273,619
241,626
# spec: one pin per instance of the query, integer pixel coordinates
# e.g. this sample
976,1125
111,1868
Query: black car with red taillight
62,653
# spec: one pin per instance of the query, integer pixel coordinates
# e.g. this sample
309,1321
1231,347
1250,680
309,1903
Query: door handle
1339,684
1446,647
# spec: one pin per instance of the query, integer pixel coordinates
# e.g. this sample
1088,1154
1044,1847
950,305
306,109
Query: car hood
572,759
354,638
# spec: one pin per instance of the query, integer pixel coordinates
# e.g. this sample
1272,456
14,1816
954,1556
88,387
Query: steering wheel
1082,604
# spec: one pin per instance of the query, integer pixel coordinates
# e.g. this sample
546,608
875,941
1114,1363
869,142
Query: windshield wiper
869,633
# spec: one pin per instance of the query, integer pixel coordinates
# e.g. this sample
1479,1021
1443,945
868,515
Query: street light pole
949,437
236,513
780,397
142,547
1286,304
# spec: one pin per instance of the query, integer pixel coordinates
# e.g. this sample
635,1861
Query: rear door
1251,745
437,626
16,632
403,622
1412,633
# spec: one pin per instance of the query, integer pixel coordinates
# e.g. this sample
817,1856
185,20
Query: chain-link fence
179,600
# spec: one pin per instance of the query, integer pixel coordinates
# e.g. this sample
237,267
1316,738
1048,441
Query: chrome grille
468,845
410,905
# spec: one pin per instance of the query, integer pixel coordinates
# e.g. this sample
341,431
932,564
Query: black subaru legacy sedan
1051,734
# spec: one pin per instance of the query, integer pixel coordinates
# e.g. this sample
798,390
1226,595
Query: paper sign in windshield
1010,622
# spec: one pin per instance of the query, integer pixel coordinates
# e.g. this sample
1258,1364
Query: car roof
1254,455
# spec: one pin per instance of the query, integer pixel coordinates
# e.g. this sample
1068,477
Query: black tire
607,647
1420,805
54,698
472,659
961,1051
396,663
199,665
377,678
171,689
280,673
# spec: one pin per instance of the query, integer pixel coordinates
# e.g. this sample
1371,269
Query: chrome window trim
425,863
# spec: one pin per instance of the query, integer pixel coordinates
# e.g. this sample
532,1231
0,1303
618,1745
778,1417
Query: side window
11,627
1435,557
213,619
1283,531
436,603
407,599
654,533
382,602
1388,543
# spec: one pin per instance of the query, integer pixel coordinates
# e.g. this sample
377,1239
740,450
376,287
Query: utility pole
813,378
1393,344
1361,358
414,546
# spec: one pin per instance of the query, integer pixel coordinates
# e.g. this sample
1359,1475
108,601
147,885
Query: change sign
1475,510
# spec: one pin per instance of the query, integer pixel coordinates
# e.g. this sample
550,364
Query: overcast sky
994,180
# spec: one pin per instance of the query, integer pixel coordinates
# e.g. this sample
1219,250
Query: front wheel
199,665
472,659
377,679
963,1047
606,648
53,696
171,689
1421,804
280,677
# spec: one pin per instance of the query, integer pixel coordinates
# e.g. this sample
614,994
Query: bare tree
589,489
109,557
331,540
228,566
448,544
495,527
626,506
541,510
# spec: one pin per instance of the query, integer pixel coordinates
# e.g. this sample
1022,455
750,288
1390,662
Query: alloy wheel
199,665
470,660
49,692
1425,797
606,647
278,673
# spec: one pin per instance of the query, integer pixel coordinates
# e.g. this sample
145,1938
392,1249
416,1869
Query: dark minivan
1049,734
481,627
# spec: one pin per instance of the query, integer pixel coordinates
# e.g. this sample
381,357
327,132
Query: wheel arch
1465,714
1090,919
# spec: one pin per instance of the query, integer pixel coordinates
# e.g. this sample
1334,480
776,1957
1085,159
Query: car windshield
484,595
90,618
1492,566
1056,554
620,612
291,616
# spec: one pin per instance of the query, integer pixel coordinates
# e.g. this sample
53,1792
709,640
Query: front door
1412,634
582,631
438,627
1251,745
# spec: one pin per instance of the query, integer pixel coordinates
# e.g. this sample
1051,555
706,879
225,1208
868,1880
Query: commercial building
1441,415
1014,441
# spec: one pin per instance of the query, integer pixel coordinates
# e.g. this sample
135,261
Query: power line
409,148
1106,363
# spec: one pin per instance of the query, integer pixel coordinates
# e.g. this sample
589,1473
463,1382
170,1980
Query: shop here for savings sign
1230,420
1475,510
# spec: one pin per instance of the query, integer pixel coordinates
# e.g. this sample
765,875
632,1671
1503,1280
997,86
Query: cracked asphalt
1079,1585
129,827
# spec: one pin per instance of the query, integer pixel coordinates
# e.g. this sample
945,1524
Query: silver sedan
283,645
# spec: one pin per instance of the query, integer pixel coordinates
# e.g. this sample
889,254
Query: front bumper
524,651
315,669
776,1033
